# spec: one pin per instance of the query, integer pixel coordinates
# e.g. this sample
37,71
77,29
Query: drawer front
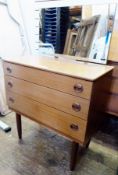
66,124
53,98
74,86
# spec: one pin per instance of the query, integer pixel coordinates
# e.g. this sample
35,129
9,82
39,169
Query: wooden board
63,64
113,51
49,97
51,80
50,117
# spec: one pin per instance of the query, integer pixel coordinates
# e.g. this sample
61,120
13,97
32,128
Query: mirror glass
81,31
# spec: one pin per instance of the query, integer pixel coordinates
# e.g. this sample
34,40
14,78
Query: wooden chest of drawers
60,94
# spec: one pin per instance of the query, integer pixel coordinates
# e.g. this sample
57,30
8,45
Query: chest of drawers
61,94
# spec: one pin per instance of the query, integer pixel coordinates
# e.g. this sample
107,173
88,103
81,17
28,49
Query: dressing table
60,93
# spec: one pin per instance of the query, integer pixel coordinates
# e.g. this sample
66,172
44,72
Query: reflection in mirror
82,31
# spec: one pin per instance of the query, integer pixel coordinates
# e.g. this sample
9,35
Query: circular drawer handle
9,69
10,84
74,127
76,107
11,100
78,87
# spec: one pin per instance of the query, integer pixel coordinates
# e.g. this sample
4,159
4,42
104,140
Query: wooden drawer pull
11,100
74,127
9,69
10,84
78,87
76,107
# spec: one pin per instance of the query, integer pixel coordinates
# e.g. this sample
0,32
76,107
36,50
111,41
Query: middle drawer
64,102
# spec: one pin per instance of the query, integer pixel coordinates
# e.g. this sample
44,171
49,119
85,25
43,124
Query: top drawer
70,85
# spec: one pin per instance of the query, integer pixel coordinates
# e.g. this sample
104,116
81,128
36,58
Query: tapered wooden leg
19,125
87,145
75,147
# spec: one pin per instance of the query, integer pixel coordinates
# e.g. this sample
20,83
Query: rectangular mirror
81,31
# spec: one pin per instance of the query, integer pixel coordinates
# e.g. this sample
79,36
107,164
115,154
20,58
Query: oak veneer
51,80
48,116
62,94
50,97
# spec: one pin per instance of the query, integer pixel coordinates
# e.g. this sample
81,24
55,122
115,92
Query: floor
45,153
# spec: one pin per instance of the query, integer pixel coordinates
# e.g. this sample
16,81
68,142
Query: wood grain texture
111,83
114,85
112,94
115,70
19,125
49,97
69,42
66,42
50,117
73,116
49,79
112,104
74,153
64,65
98,105
113,51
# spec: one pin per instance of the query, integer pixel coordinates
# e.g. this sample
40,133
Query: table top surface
63,64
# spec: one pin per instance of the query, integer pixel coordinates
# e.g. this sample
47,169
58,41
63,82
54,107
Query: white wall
28,14
10,42
12,37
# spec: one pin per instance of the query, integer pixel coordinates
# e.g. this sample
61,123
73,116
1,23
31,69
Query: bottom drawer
66,124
